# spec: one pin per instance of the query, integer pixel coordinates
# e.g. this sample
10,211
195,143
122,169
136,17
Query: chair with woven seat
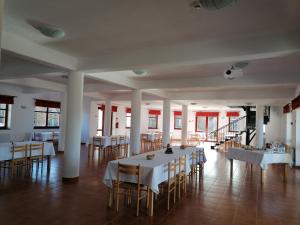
182,175
36,155
134,172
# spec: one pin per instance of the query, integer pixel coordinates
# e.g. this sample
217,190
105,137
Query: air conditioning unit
233,73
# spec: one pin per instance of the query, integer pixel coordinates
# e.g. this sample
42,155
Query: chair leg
168,198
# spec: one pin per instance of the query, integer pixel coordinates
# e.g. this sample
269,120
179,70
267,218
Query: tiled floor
216,199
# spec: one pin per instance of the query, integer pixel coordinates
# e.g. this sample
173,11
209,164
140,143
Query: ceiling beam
36,52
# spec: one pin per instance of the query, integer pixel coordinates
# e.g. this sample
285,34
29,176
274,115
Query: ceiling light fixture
212,4
47,29
139,72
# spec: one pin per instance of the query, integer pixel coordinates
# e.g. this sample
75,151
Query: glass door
212,125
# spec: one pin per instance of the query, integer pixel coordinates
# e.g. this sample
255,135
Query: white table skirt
5,150
153,171
262,158
106,140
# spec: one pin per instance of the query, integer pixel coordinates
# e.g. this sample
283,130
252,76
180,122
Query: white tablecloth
153,172
5,150
106,140
262,158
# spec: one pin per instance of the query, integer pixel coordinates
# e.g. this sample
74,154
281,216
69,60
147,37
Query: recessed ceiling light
212,4
193,103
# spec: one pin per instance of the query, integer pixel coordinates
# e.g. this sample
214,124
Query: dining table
263,158
6,151
154,171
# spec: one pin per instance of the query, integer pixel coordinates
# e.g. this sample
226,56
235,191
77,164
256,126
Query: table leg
110,197
150,209
48,163
231,167
284,172
261,175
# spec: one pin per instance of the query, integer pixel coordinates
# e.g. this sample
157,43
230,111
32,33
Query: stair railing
221,134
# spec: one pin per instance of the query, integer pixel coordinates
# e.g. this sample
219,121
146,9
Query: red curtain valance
296,102
5,99
46,103
207,113
287,108
113,108
154,112
231,114
128,110
177,113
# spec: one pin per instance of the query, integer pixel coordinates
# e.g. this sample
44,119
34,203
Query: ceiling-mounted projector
233,73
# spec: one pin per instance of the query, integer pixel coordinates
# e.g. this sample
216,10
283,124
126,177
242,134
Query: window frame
156,119
47,117
5,127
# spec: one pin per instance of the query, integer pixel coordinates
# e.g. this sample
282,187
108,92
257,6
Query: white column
73,128
135,129
259,126
288,128
166,121
184,130
297,137
107,118
63,122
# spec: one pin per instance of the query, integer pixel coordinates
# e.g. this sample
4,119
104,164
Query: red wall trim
287,108
5,99
113,108
177,113
128,110
207,113
154,112
296,102
233,114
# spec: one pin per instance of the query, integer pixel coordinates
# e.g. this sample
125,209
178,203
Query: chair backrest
144,136
172,171
19,149
97,141
122,139
133,170
182,163
114,140
39,147
195,157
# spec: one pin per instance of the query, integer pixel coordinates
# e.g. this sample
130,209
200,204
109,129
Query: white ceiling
184,51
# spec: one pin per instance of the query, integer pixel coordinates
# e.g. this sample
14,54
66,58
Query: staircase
224,134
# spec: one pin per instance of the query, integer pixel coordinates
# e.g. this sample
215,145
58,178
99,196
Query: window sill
37,128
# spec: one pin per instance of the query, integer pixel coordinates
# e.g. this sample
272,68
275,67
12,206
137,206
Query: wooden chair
36,155
19,158
123,145
172,180
96,145
145,143
182,175
197,163
135,172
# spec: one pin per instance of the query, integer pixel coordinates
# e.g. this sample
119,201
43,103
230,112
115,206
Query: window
46,114
128,118
153,119
5,109
232,117
177,120
4,116
100,121
152,122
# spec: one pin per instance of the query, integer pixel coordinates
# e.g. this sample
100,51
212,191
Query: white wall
275,129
